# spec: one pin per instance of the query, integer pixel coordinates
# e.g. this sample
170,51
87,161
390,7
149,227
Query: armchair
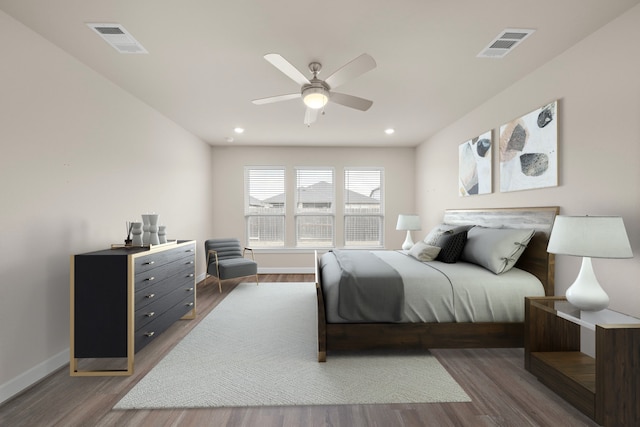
226,260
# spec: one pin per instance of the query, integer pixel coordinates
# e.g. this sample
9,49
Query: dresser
123,298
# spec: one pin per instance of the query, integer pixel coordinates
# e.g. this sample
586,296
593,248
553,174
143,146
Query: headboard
535,258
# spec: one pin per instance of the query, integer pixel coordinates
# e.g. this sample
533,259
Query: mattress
439,292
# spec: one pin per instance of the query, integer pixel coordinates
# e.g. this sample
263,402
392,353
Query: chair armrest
248,249
215,254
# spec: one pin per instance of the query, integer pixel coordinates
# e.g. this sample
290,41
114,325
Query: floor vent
506,41
118,38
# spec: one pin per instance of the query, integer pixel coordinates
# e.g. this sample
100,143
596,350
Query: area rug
258,347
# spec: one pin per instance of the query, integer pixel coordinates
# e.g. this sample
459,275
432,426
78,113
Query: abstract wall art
474,165
529,150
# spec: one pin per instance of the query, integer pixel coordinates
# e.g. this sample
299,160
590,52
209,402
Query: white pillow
496,249
424,252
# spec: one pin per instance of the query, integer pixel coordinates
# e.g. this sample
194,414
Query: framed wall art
474,165
529,150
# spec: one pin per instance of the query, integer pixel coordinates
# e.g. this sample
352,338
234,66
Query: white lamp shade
408,222
590,236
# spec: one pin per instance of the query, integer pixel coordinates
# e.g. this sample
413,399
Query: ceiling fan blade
351,70
310,116
277,98
351,101
285,67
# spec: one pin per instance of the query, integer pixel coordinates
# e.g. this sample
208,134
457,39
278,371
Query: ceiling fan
314,92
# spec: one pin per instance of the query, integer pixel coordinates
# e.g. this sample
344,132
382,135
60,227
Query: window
265,206
314,209
363,207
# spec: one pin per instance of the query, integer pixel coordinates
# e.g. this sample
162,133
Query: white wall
78,158
597,84
228,194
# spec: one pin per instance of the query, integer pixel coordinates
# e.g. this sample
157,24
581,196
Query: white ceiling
205,61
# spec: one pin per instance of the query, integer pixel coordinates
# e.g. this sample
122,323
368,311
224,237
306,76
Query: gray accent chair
226,260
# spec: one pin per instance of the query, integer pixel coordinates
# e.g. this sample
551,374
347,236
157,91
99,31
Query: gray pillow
441,229
496,249
423,252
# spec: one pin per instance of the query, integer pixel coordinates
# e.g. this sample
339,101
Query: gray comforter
370,290
439,292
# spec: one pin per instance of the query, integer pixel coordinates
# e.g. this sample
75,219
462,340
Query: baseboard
33,375
286,270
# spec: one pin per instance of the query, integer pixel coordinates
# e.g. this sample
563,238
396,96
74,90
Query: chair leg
257,280
219,285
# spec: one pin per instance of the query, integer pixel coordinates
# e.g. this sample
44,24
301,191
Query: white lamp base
408,242
586,293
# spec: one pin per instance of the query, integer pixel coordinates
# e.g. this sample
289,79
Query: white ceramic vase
145,229
153,229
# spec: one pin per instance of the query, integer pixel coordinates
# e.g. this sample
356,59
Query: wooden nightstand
605,387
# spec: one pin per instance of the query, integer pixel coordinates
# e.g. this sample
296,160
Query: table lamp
589,237
408,222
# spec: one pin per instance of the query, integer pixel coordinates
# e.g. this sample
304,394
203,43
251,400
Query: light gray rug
258,348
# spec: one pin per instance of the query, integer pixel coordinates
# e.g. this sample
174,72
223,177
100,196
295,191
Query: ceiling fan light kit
316,93
315,97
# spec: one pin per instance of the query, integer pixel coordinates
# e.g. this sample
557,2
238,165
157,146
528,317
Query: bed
452,322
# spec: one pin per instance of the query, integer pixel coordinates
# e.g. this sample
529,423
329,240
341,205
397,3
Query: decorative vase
162,233
153,229
145,229
136,231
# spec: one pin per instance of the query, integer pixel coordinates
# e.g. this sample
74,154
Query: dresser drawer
181,267
151,261
151,330
159,289
158,306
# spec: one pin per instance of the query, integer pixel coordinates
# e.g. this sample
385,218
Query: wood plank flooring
502,393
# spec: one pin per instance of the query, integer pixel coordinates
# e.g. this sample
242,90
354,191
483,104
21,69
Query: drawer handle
189,304
150,296
149,334
190,275
189,289
190,262
190,250
149,263
150,279
151,314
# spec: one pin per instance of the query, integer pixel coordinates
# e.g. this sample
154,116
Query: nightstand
603,382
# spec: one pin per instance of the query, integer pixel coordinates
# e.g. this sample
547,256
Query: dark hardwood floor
502,393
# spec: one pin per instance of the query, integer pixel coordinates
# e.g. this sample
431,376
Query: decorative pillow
496,249
451,244
424,252
435,233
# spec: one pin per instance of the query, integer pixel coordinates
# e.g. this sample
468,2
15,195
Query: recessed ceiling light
238,130
389,131
229,139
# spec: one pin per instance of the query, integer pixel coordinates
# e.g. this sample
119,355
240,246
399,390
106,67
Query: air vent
506,41
118,38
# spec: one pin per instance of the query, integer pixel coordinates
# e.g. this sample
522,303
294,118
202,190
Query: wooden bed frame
373,336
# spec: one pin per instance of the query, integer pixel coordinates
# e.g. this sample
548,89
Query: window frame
380,215
300,213
278,213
